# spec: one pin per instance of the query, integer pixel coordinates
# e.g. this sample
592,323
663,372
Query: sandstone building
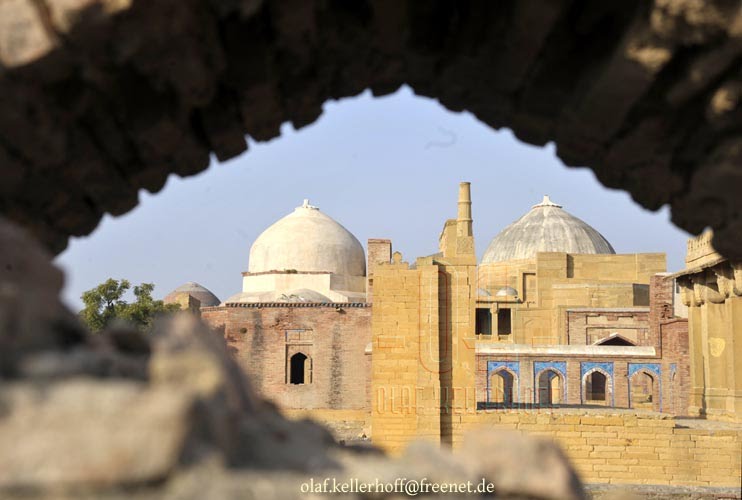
712,290
550,317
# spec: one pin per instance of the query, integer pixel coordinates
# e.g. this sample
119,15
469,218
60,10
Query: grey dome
303,295
192,288
545,228
300,295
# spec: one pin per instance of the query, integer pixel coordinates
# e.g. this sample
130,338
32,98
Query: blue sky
384,168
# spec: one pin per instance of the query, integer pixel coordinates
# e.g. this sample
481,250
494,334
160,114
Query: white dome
545,228
307,240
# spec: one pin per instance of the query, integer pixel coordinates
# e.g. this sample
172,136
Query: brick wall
660,302
334,338
379,251
631,448
587,326
676,362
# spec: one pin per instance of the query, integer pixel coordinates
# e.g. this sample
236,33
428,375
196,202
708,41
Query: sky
383,167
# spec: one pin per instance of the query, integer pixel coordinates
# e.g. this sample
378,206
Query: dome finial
546,202
307,205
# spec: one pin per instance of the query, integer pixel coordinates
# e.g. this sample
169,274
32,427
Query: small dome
507,291
483,292
307,240
302,295
545,228
192,288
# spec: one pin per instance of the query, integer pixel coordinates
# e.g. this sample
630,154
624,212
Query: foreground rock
172,416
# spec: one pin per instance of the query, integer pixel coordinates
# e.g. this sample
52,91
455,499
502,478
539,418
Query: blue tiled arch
606,367
512,366
655,368
557,366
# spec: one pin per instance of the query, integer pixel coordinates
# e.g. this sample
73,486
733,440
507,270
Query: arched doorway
299,369
549,387
501,386
644,392
596,388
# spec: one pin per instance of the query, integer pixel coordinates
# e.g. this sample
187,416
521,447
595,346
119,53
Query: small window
298,369
484,322
504,326
595,386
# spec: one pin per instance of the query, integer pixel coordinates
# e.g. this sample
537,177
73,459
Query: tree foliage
105,303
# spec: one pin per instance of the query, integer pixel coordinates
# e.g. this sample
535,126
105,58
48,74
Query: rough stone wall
101,98
630,448
262,339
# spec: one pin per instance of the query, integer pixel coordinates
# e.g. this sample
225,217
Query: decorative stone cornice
714,284
260,305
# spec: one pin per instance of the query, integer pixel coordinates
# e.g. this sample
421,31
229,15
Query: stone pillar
406,392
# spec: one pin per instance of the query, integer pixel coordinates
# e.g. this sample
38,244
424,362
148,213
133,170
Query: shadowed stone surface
101,98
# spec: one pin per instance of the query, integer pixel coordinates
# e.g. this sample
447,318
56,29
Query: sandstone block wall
631,448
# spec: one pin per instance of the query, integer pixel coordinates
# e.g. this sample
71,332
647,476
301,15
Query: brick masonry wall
263,338
379,251
675,350
660,303
631,448
586,327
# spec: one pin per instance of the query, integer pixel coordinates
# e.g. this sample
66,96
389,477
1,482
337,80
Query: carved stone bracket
737,273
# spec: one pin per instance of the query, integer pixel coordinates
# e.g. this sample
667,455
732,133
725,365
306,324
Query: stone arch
597,387
550,387
90,117
502,387
644,390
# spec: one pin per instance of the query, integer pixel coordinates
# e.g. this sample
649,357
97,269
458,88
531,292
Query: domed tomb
307,240
304,257
547,227
203,294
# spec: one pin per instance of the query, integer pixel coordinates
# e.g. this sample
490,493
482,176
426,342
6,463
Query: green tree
105,303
